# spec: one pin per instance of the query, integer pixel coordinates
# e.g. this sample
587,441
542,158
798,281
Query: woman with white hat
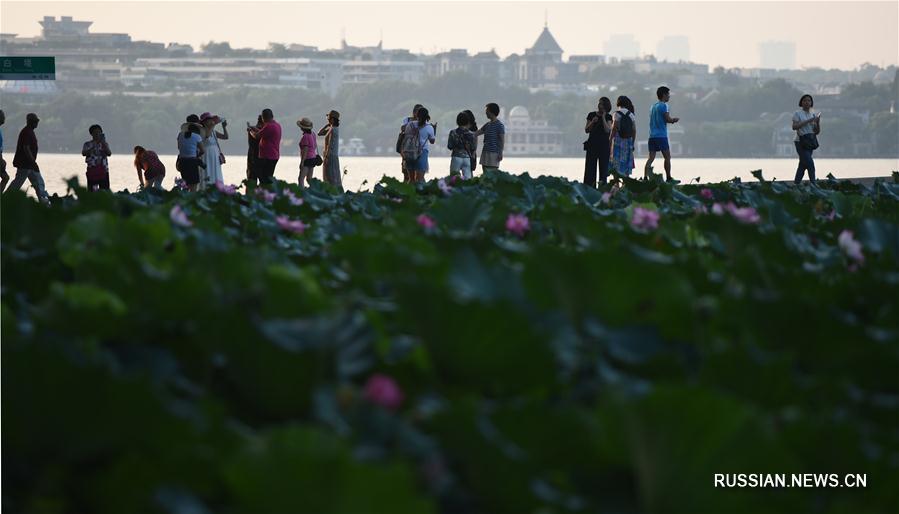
308,151
213,157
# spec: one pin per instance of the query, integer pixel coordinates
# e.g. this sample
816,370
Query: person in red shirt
25,160
150,170
269,137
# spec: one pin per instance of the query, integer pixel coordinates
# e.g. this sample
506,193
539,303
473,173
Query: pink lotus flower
384,391
181,183
851,247
426,222
292,198
706,194
747,215
645,220
179,217
266,195
718,209
444,187
295,226
606,198
228,190
518,224
453,179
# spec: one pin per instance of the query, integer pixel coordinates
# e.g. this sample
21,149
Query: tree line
732,121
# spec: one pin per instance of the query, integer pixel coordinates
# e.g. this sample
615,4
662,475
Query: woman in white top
807,125
213,156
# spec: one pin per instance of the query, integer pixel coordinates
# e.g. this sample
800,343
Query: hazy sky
827,34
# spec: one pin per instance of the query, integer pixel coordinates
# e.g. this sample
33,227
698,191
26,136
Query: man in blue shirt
659,118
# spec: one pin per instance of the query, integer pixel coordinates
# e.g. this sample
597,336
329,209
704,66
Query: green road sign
27,68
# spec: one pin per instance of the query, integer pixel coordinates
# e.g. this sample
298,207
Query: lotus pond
506,344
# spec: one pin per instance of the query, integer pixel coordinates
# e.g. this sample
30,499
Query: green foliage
583,366
729,124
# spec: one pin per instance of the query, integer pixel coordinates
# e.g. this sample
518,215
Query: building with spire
541,65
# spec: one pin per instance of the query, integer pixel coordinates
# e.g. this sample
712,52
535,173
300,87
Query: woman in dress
213,156
150,170
331,156
622,152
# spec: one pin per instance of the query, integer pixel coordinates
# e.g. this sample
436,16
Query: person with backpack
599,124
401,136
461,142
807,125
623,132
659,118
417,135
494,133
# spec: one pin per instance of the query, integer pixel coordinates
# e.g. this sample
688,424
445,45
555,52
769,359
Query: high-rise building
622,46
777,55
673,49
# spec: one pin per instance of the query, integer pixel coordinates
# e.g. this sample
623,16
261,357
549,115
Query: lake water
361,173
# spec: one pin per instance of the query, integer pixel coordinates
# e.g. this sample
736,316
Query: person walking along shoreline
25,159
659,118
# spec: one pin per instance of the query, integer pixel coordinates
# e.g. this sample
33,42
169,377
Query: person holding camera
807,125
598,127
213,157
95,154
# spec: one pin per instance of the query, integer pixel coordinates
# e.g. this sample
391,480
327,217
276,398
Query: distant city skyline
778,55
715,33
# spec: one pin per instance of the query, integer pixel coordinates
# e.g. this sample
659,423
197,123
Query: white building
674,49
530,137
